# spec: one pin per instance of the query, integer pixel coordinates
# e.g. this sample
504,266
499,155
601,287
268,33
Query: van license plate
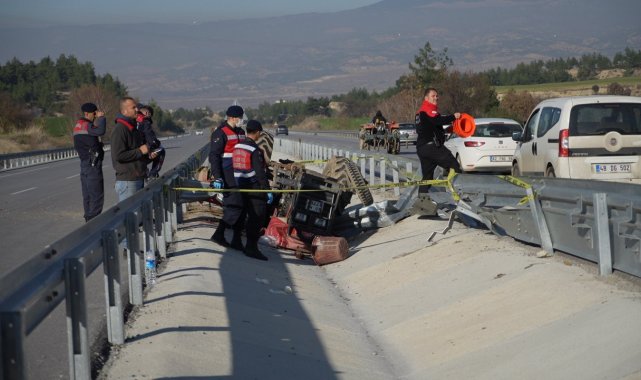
500,158
612,168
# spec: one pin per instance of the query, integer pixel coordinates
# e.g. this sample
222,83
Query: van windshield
599,119
496,130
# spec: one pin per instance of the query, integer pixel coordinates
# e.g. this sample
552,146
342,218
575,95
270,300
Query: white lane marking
23,191
75,175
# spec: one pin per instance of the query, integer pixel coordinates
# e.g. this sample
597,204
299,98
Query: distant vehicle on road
282,130
582,137
408,133
490,148
200,133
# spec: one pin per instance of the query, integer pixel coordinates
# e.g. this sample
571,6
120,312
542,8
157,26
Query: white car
491,148
200,133
583,137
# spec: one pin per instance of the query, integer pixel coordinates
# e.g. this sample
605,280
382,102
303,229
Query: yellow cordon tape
517,182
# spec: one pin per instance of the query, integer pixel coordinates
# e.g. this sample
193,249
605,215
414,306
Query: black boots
236,242
252,251
219,235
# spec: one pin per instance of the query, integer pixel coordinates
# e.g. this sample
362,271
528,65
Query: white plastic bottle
150,268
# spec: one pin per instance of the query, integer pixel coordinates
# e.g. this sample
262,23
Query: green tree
428,65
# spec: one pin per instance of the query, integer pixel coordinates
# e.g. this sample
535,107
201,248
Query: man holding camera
86,141
430,142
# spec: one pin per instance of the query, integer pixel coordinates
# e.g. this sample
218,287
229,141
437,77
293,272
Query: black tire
516,171
346,172
266,143
549,172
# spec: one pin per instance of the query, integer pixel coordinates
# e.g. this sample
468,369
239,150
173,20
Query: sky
85,12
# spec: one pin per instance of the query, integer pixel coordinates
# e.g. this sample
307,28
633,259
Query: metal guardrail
36,157
32,291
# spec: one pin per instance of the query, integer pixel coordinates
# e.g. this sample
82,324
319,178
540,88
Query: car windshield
496,130
406,126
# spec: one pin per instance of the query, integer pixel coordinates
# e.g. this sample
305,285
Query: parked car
408,133
589,137
282,130
490,148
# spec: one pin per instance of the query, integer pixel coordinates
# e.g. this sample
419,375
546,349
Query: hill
320,54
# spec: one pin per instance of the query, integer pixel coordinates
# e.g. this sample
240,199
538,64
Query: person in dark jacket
223,141
129,155
250,173
430,146
144,125
86,141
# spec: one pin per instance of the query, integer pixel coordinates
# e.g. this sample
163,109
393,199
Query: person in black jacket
86,141
250,173
223,141
430,146
144,125
129,155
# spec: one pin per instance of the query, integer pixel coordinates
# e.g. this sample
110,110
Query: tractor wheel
266,143
347,173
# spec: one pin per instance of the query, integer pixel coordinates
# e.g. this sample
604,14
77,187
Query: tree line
59,87
460,91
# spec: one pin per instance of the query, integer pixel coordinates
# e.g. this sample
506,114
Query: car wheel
516,171
549,172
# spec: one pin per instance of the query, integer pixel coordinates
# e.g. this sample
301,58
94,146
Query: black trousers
432,156
93,188
233,213
255,208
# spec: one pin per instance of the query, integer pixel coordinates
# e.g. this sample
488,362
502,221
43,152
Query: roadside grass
57,126
633,82
342,123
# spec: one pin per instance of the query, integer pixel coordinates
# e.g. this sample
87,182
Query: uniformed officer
86,141
250,173
430,146
223,141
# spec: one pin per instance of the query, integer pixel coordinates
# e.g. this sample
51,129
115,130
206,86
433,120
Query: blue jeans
126,189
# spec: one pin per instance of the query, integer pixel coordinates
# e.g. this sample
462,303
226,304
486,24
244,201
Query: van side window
549,117
530,126
602,118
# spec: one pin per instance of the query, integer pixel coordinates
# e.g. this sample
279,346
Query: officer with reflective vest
223,141
250,173
86,141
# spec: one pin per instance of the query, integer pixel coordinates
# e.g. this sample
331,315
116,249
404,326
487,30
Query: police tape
432,182
520,183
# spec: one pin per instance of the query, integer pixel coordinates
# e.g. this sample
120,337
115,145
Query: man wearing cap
430,146
129,155
86,141
249,171
223,141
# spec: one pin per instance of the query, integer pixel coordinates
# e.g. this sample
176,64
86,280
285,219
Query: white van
587,137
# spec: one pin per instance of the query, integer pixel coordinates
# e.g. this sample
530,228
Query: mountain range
322,54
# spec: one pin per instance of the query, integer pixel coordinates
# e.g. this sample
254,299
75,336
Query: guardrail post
134,258
12,345
372,168
397,190
539,218
159,217
111,266
603,233
362,160
408,169
383,174
173,202
166,214
77,335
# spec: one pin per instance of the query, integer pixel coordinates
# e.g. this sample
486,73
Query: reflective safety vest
244,172
232,139
81,127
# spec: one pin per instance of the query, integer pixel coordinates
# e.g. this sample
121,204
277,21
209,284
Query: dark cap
140,105
149,108
88,107
254,126
235,111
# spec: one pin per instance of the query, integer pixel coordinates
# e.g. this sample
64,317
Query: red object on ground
284,235
329,249
464,126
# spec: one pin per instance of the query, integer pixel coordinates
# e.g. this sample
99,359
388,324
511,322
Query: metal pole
397,191
77,336
603,233
134,258
12,345
111,265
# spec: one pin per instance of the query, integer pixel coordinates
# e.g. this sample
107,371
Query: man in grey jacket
129,155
